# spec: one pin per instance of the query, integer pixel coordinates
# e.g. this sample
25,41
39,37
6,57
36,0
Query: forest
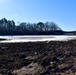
8,27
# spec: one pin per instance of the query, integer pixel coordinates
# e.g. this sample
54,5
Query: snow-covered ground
34,38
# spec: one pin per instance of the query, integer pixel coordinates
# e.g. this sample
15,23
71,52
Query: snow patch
12,39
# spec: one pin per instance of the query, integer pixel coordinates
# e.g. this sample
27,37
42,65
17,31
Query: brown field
38,58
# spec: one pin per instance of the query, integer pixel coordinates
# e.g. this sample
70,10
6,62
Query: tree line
8,27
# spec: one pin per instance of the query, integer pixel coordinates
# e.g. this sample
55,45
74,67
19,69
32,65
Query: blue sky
62,12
